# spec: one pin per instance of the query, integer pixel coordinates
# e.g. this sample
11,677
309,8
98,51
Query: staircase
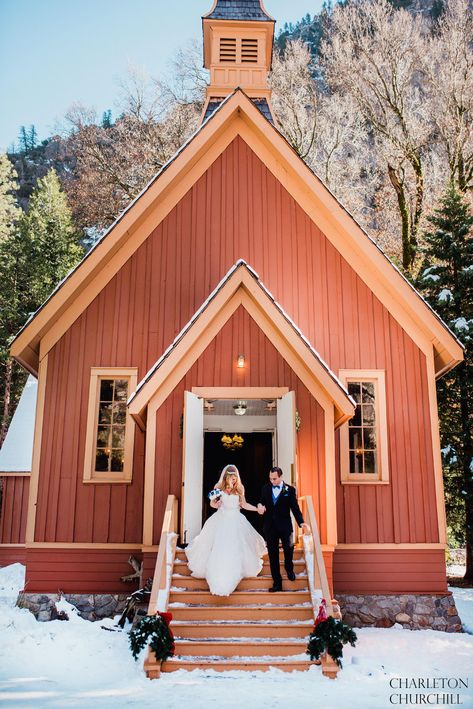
252,629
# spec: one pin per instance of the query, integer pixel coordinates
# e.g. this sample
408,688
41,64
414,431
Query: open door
192,466
286,430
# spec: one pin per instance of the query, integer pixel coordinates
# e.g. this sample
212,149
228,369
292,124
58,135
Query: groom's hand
305,528
261,509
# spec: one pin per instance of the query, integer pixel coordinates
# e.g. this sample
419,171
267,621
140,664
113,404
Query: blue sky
55,52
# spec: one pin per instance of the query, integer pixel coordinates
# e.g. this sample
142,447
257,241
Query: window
110,429
363,439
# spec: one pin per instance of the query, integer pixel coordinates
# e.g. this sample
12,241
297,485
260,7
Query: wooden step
225,664
297,554
240,648
249,629
248,612
254,582
180,567
240,598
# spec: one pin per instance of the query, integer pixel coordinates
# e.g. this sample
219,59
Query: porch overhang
240,286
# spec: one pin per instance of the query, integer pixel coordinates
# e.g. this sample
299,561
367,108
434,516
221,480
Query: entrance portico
241,287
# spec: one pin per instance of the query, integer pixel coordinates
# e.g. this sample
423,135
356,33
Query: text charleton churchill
444,690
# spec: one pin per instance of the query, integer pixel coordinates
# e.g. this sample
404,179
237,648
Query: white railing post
165,559
319,575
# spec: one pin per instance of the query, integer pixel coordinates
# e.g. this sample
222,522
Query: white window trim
382,478
90,474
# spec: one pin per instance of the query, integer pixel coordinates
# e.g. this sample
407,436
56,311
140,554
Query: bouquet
215,495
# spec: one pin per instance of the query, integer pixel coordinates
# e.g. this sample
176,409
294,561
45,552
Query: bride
228,548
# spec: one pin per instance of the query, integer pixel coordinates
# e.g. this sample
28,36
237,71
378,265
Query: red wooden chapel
234,281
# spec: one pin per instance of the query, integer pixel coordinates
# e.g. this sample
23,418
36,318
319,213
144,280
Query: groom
277,502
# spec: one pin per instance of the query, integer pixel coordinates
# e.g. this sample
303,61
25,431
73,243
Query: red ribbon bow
166,616
322,614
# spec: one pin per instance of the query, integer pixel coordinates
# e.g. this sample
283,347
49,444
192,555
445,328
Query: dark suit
277,525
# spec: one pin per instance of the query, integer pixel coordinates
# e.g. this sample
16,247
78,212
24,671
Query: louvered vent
249,51
228,49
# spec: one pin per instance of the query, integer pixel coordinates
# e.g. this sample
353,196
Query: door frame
229,393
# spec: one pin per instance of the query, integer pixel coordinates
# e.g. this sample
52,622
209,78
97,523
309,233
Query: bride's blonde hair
227,472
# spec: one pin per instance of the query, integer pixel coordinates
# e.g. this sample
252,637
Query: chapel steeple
238,45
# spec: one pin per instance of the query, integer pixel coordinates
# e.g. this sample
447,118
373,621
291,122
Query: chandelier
232,443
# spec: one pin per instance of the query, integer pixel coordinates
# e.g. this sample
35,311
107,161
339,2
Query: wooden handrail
319,571
164,559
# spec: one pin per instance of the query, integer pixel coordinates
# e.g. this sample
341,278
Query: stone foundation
90,606
411,611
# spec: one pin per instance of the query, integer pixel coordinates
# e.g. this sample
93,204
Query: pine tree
107,119
9,211
34,256
446,280
49,238
9,214
27,139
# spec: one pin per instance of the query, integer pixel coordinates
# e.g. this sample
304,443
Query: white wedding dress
227,549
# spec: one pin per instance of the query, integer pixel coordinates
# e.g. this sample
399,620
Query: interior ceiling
254,407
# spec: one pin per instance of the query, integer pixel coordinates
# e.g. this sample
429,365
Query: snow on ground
456,570
80,664
464,604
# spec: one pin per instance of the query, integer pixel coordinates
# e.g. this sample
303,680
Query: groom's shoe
275,587
291,576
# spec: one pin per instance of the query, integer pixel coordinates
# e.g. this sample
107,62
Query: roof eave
26,349
25,346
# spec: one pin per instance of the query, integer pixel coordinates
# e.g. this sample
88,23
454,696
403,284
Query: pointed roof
235,116
241,285
261,104
252,10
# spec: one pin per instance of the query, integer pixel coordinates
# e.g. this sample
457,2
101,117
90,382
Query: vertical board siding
14,508
237,209
264,367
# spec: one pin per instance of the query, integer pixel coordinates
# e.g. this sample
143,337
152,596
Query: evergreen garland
155,632
330,636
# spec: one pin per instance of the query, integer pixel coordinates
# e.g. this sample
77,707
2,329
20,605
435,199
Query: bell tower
238,45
